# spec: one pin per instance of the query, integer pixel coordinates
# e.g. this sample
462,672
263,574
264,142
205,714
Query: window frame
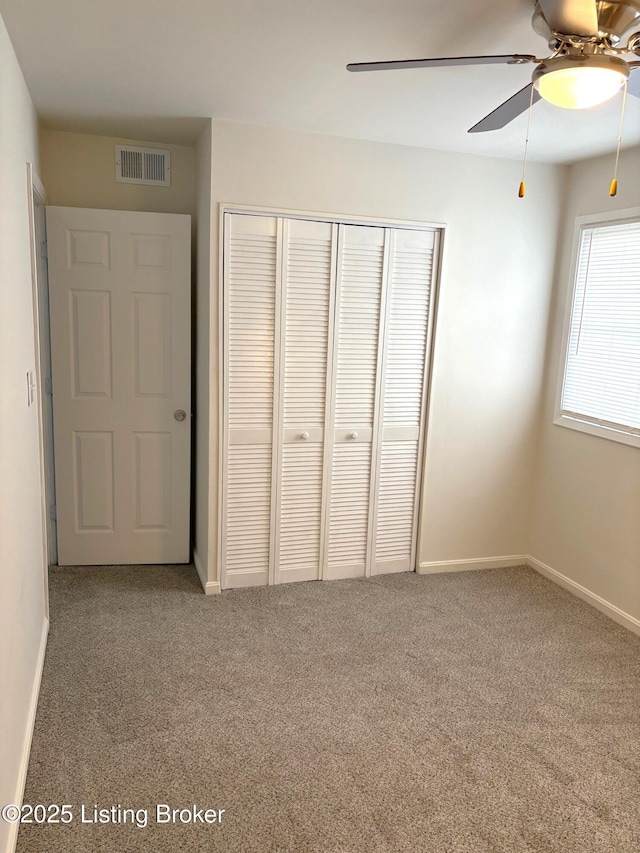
602,430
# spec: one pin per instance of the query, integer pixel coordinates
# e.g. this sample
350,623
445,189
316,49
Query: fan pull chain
523,185
613,189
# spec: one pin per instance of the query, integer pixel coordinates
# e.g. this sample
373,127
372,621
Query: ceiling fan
586,68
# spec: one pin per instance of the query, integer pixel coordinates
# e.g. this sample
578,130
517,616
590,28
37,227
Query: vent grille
136,165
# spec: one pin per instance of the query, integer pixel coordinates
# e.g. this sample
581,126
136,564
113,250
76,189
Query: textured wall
490,341
78,170
585,521
22,569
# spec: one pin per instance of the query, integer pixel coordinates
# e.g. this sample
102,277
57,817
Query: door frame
37,197
347,219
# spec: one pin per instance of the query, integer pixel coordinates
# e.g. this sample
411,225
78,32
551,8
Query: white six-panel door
119,285
325,347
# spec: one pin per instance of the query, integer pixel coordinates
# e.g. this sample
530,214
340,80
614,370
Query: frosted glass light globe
580,87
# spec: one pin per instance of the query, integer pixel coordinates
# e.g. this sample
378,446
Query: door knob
353,436
179,414
304,436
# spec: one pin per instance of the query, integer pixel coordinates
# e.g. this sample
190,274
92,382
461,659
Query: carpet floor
465,713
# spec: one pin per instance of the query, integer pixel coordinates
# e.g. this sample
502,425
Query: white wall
586,514
22,572
494,302
78,170
203,485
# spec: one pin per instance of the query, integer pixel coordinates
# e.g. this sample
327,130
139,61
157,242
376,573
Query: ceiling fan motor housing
615,18
580,60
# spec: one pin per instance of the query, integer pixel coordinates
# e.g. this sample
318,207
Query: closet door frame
215,536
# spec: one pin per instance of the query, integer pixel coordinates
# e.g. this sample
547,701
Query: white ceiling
152,69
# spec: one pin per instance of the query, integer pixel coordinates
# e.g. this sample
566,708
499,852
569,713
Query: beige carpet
464,713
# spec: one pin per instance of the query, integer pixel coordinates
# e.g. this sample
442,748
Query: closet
326,336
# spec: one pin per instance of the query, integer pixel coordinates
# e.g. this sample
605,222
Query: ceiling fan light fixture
580,88
579,82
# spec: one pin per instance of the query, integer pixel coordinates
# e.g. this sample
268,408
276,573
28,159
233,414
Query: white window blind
602,370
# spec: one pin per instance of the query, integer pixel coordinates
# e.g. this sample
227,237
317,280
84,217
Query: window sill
590,428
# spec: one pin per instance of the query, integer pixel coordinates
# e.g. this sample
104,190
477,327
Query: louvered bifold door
308,274
251,271
399,438
355,379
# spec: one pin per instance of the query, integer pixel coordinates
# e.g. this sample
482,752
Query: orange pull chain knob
522,190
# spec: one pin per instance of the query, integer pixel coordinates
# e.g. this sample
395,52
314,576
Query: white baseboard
471,565
12,839
209,587
624,619
240,580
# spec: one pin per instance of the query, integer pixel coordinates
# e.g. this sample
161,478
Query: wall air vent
136,165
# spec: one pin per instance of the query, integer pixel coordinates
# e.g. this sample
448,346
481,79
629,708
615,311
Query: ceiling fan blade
571,17
506,112
633,85
511,59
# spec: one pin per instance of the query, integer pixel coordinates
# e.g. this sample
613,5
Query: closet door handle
304,436
353,436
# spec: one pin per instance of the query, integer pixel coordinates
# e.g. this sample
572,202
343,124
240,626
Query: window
600,384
